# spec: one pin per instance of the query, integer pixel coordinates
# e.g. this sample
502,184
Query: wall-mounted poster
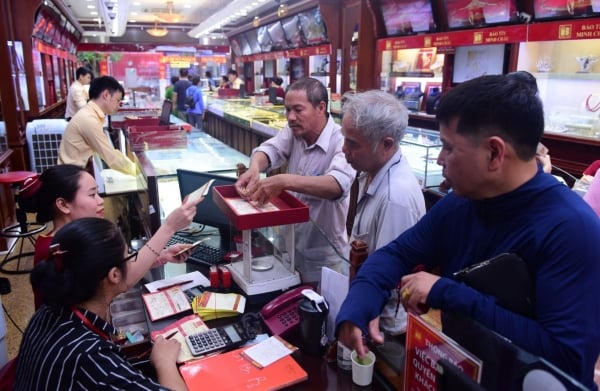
264,40
472,13
251,37
277,35
403,17
562,9
293,33
313,27
475,61
236,48
425,59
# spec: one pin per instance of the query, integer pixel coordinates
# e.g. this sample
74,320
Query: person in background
68,343
195,111
179,90
235,82
65,193
276,92
390,199
211,83
84,135
170,91
590,171
502,202
224,82
592,195
78,96
317,173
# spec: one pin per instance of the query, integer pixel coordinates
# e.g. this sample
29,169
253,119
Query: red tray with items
142,138
281,210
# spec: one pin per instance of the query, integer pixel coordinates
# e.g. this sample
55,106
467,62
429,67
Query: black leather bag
505,277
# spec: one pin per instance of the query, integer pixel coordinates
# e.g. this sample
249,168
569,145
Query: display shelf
586,76
421,148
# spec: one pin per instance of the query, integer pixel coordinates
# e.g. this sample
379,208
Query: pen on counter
162,288
172,334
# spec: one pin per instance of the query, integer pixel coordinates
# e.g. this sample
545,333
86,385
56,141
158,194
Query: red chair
23,230
8,374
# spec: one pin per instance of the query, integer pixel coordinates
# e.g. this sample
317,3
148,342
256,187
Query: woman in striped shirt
68,342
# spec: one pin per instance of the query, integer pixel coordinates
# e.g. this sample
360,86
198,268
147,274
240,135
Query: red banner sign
486,36
424,347
542,31
292,53
565,29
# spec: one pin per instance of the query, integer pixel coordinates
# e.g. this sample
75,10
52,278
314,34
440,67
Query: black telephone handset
281,314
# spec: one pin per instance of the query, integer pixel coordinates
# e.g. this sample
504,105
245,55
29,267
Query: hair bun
30,187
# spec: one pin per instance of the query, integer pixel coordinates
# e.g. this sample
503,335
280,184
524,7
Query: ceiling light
256,21
170,16
156,32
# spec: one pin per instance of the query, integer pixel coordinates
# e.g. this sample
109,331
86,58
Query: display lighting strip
233,11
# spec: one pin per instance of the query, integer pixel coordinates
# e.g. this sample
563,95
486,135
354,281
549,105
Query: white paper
267,351
196,277
334,288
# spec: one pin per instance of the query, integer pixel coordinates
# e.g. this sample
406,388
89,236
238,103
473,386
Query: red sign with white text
424,347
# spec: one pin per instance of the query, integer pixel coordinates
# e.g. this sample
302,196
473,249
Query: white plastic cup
362,369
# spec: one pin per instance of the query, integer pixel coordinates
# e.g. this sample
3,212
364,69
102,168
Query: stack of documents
211,305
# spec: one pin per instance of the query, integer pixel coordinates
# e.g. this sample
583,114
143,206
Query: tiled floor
19,306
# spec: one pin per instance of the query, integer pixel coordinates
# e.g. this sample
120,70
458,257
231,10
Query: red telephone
281,314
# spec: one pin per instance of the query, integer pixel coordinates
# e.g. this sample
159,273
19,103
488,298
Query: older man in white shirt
317,173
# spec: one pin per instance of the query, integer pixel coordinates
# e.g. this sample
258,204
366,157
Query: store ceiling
110,20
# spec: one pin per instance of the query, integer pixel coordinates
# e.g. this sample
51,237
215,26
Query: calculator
217,338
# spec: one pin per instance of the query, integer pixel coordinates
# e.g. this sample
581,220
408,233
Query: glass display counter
421,148
242,125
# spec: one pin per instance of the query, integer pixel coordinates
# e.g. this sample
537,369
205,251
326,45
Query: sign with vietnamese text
424,347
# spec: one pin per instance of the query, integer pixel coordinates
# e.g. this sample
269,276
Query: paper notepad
165,303
196,279
268,351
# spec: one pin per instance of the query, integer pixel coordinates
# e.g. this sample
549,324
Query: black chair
21,231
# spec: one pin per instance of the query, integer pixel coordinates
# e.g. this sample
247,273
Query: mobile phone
196,243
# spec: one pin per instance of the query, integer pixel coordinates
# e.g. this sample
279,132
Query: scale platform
276,278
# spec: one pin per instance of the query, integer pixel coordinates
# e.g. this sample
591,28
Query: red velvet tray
282,210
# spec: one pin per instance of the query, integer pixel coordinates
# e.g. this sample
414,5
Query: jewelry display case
571,98
421,148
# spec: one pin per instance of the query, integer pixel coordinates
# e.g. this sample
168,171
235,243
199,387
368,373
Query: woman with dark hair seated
68,342
66,192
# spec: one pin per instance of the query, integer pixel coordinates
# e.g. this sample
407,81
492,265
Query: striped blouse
59,352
